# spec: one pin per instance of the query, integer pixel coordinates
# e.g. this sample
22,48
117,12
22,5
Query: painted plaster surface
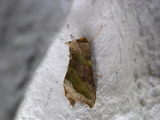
27,28
126,55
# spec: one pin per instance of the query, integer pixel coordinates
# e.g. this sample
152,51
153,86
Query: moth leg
97,74
70,56
96,34
72,102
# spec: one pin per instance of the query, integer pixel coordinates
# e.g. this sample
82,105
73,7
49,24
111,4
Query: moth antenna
82,31
97,74
72,38
96,34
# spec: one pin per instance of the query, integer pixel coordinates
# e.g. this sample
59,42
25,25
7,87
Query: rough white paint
26,27
122,54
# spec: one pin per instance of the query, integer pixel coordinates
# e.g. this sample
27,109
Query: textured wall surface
25,30
125,53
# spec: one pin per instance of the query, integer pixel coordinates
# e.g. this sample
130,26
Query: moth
79,83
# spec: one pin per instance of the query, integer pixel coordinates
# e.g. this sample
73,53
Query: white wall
125,53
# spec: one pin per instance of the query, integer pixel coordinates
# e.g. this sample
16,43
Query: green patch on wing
81,59
78,84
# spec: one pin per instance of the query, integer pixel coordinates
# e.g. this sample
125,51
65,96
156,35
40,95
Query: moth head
68,43
71,43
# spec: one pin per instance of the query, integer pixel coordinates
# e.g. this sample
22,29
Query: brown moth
79,83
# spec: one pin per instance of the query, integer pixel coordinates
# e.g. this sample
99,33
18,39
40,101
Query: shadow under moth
79,83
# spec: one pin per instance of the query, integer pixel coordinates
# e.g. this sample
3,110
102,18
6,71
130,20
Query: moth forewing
79,83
